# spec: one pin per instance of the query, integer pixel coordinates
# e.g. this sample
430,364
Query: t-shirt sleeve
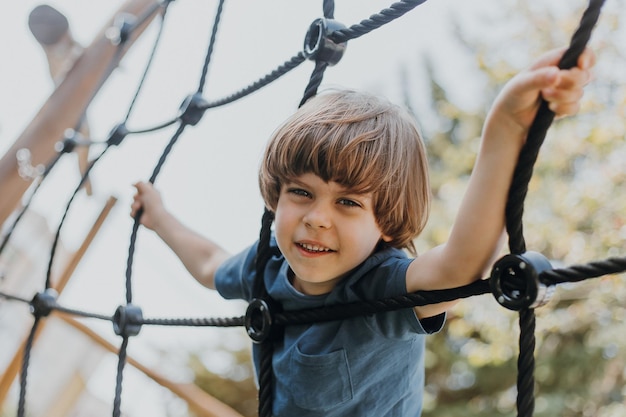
233,279
391,274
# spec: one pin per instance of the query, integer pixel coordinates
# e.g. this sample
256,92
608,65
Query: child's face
324,231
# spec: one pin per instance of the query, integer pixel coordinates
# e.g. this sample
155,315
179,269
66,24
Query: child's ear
386,238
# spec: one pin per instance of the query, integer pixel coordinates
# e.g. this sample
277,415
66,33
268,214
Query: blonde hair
363,143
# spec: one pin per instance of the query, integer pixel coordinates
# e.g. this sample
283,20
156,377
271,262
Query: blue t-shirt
365,366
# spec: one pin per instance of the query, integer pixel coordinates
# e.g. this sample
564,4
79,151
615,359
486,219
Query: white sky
209,179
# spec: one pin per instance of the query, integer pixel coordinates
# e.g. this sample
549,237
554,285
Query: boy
346,178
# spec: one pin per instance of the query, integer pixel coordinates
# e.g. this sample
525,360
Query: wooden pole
52,31
65,106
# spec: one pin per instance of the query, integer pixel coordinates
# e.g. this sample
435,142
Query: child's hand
562,89
148,199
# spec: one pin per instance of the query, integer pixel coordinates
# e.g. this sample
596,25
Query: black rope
343,35
207,59
314,81
515,207
121,361
329,9
266,348
57,235
150,60
526,364
21,405
576,273
375,21
283,69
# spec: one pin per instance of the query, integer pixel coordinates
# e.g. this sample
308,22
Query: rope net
521,295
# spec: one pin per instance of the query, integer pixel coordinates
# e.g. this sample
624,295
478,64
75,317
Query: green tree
574,214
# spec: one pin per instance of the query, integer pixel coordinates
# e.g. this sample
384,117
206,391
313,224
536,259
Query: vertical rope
526,364
329,9
21,405
266,349
207,59
117,401
515,208
314,81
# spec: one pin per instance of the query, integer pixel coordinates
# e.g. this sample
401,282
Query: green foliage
233,384
574,214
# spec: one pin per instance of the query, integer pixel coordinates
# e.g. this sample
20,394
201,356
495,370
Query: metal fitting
515,281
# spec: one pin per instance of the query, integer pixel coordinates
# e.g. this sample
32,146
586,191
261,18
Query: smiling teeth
314,248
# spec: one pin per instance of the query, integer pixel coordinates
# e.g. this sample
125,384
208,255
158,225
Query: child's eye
299,192
349,203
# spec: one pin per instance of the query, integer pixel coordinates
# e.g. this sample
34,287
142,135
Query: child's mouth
313,248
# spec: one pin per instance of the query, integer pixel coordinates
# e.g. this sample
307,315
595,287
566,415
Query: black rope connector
43,303
117,135
123,26
192,109
515,281
318,45
127,320
68,143
259,320
71,139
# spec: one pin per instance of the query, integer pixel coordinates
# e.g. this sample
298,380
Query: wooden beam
65,106
52,31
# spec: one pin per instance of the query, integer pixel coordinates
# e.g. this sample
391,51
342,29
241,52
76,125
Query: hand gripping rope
520,281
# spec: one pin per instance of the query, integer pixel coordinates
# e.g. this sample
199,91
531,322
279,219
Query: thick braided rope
515,207
209,54
375,21
21,404
121,361
576,273
156,43
266,349
314,81
57,236
283,69
365,307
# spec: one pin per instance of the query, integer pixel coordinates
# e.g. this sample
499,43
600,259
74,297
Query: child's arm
478,229
198,254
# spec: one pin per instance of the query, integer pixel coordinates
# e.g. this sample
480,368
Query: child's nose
318,217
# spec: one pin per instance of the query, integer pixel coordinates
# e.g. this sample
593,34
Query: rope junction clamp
127,320
43,303
123,26
71,139
319,46
117,135
259,320
515,281
192,109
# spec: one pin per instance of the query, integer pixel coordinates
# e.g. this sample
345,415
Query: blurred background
445,61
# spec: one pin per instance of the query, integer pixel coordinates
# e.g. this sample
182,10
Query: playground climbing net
521,281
